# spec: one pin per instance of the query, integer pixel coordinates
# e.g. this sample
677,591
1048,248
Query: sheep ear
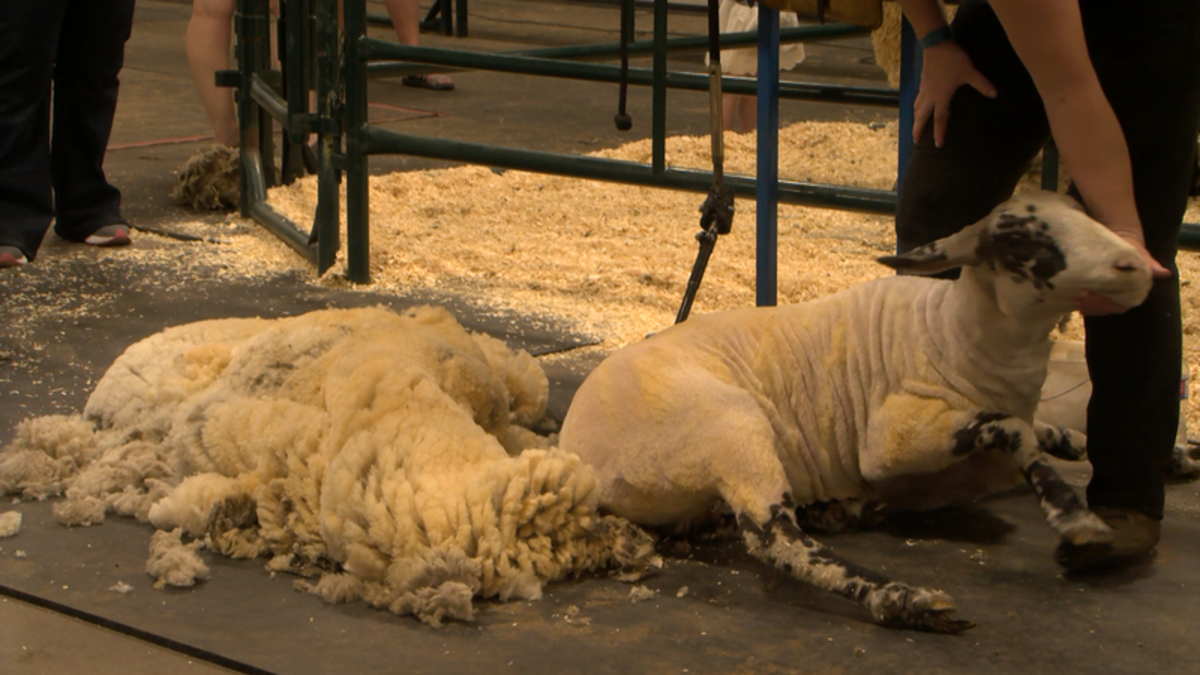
957,250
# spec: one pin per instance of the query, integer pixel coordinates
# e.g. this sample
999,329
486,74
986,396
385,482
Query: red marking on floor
160,141
420,112
413,114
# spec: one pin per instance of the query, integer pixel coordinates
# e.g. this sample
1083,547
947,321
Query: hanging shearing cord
623,120
716,214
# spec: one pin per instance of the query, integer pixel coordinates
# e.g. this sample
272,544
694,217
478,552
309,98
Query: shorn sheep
909,391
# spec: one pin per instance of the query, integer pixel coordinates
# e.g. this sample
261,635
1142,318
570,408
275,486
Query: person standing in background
738,16
66,54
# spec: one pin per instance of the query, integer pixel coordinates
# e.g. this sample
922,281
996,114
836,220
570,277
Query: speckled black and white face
1045,249
1040,250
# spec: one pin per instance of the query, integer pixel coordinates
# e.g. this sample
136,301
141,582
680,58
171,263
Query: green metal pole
631,24
325,221
427,59
294,57
1050,166
358,219
383,141
1189,237
247,132
658,114
262,65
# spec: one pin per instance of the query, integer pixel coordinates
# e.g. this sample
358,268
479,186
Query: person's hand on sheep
947,68
1090,304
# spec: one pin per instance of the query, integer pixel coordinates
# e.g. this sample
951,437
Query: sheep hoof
941,623
898,605
1084,527
932,614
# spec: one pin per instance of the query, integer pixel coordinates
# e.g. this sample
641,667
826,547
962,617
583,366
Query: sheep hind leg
839,514
781,543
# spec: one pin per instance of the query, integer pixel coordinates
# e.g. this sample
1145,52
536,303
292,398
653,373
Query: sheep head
1037,253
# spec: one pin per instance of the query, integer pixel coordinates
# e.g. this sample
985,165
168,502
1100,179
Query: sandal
116,234
435,82
11,256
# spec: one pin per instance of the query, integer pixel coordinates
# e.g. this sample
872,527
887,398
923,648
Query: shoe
1135,535
116,234
436,82
11,256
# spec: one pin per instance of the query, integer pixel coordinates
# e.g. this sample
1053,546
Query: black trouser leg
28,39
91,51
1148,61
989,142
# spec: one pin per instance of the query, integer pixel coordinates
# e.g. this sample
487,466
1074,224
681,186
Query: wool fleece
382,456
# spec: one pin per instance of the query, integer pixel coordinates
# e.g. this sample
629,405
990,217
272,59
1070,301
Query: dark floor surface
735,617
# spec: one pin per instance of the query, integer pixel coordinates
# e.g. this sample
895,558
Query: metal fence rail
337,68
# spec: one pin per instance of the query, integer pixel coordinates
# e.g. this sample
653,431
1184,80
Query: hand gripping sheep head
905,391
1040,252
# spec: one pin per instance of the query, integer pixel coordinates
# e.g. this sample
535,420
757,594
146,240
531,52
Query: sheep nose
1130,263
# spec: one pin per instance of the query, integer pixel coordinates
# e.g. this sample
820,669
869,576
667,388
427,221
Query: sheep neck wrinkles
996,360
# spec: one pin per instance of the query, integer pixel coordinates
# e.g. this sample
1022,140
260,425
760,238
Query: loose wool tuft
385,457
209,179
174,563
10,523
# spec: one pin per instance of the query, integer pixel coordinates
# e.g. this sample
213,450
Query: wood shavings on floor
614,260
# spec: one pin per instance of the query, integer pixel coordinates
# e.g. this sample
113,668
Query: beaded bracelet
936,37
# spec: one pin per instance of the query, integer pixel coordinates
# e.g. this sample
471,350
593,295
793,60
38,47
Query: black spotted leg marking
837,515
1062,508
1062,443
781,543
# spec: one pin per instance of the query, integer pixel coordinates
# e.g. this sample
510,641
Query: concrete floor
736,616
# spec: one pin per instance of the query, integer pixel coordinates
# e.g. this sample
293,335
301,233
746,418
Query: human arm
1048,37
947,68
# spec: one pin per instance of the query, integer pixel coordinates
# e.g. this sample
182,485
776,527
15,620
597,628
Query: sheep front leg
1061,442
914,435
1062,508
781,543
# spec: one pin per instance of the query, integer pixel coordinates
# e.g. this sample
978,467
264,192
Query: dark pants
1147,56
79,45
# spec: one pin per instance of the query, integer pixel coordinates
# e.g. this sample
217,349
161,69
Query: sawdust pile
389,457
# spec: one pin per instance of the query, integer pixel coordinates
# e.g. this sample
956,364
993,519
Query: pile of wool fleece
390,455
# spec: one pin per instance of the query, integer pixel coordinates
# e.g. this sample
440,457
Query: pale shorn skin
912,391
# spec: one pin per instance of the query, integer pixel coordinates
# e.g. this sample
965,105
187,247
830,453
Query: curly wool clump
210,179
383,457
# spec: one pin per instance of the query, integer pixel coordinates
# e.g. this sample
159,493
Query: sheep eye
1030,256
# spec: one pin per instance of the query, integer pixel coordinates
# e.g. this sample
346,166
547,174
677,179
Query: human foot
116,234
436,82
11,256
1135,535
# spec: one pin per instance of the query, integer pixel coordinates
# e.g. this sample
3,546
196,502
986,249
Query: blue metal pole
767,224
